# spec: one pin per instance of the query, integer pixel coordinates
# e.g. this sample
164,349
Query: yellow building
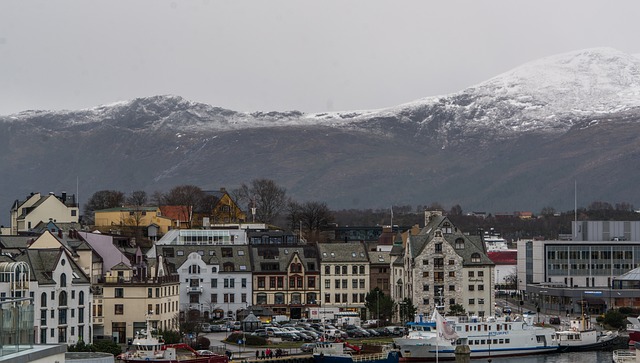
224,209
133,217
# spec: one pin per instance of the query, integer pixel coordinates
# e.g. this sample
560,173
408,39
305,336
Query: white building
61,293
38,208
214,266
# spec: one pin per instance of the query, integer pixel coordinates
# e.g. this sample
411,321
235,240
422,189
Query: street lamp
378,307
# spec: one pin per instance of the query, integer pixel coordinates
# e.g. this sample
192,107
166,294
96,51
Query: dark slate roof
43,261
343,252
215,259
380,257
283,255
15,241
472,244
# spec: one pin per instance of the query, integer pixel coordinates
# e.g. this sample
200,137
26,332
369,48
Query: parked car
394,330
354,333
260,333
307,347
554,320
218,327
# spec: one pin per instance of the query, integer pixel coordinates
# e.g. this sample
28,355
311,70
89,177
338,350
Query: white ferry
475,337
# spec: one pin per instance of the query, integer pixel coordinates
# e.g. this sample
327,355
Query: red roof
506,257
175,212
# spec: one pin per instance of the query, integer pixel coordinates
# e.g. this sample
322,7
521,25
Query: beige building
345,276
37,208
124,296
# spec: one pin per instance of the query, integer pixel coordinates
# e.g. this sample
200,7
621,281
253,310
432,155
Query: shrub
170,336
107,346
614,319
249,339
625,310
202,343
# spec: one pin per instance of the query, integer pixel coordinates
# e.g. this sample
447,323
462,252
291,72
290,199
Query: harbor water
574,357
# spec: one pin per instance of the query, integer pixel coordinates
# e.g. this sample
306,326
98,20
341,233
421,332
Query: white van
272,331
332,333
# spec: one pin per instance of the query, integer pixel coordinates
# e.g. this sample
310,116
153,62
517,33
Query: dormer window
475,257
459,244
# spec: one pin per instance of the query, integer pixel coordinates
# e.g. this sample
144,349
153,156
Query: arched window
62,298
475,257
43,300
228,266
459,244
63,280
194,269
81,298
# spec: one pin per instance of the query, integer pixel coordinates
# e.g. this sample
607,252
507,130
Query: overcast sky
284,55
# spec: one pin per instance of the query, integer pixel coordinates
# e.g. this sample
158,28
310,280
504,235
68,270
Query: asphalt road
240,351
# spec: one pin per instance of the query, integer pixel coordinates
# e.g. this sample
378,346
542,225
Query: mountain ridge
486,147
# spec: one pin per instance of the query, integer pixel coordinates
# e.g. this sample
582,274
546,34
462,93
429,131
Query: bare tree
456,210
158,198
189,196
138,198
103,199
314,216
269,198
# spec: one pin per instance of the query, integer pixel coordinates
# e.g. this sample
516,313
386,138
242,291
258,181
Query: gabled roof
120,267
42,262
436,224
282,256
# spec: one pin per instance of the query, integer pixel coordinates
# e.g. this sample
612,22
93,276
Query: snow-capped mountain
479,147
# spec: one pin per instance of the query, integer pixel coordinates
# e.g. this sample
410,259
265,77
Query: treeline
547,224
272,206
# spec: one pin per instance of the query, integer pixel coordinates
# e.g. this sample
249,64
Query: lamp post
378,308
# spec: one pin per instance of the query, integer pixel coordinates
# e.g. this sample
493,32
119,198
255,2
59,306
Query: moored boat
475,337
343,352
580,336
634,329
149,348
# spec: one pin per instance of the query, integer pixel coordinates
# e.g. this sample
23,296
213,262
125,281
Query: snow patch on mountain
546,95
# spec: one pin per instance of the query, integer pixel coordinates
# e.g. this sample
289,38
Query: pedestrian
262,354
257,354
270,353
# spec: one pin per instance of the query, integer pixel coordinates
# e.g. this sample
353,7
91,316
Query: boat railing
624,355
368,357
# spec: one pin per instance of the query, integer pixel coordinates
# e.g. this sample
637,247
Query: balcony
136,281
194,290
98,320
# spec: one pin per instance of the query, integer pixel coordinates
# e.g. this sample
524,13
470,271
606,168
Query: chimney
64,197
